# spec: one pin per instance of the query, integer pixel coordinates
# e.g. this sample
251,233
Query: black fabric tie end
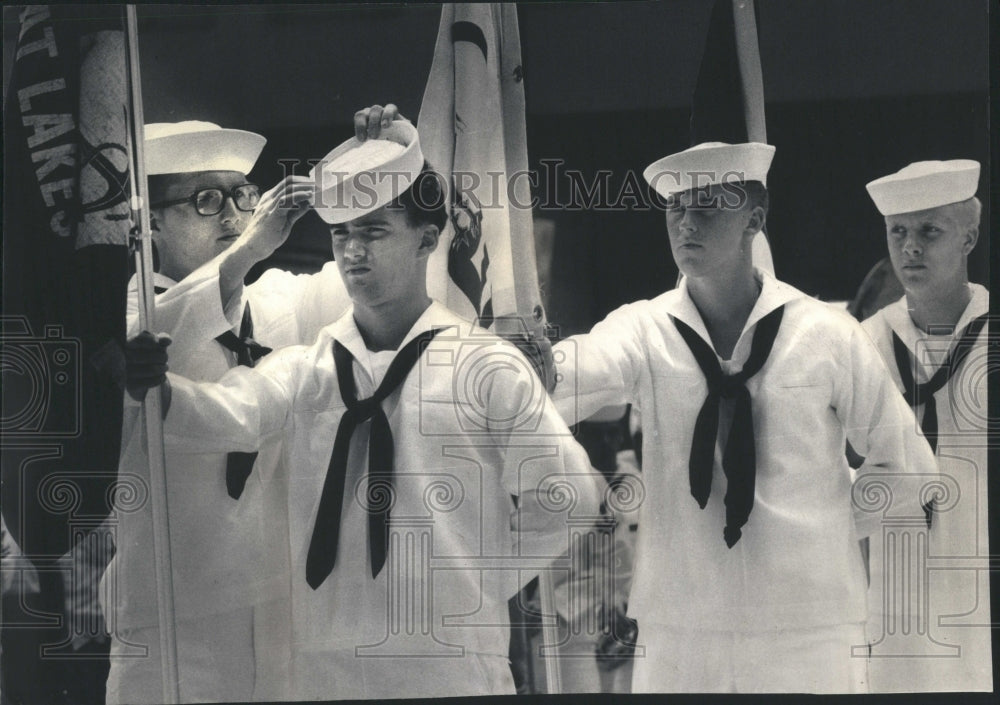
322,555
238,468
240,465
731,536
377,546
739,460
314,575
929,513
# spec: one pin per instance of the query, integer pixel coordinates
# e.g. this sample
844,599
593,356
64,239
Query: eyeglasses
211,201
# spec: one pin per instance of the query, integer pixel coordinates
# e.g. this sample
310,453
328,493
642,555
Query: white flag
472,131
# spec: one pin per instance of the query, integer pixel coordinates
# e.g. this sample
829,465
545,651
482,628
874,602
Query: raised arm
234,414
206,303
308,301
269,227
599,369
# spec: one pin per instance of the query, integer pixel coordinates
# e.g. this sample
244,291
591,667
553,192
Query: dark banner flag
728,90
65,224
717,104
65,228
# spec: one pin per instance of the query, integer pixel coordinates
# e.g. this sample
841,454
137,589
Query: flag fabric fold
472,131
65,272
66,225
728,100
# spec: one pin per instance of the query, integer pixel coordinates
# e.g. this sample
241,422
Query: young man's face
185,239
710,228
380,256
928,248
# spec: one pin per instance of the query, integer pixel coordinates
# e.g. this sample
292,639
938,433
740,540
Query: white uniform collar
773,293
345,329
160,281
205,271
898,317
163,284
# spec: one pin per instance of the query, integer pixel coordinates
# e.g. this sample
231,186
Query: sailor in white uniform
933,633
405,434
747,576
229,543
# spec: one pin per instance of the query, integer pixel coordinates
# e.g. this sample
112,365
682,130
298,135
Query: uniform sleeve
236,413
310,301
190,311
882,429
542,464
600,368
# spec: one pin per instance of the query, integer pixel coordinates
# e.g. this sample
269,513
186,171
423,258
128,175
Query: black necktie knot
362,410
322,554
730,386
920,394
739,455
247,350
254,349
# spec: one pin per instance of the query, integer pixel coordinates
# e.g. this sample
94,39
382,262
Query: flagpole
550,634
477,72
752,78
152,404
527,296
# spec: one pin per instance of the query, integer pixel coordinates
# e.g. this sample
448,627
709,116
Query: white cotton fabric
798,563
454,483
950,647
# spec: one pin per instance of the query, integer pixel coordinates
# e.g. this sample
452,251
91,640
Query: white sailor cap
194,145
923,185
710,163
357,178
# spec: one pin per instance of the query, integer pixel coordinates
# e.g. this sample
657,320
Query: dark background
855,90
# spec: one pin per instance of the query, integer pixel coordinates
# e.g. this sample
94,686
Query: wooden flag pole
528,298
153,402
752,78
550,634
491,274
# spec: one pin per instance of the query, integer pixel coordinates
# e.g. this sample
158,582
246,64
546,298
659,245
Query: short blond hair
968,212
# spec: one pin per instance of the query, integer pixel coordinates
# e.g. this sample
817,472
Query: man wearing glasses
228,542
405,434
